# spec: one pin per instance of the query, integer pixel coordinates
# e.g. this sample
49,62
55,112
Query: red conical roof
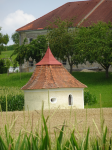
52,77
48,59
50,74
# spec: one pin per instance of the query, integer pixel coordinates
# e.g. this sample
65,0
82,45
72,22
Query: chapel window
53,100
70,100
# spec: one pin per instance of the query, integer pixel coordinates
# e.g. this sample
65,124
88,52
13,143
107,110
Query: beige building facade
64,98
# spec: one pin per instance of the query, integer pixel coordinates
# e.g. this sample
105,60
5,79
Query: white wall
34,98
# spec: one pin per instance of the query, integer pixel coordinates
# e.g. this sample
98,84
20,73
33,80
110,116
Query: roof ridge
99,3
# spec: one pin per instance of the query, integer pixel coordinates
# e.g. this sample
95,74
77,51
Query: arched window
70,100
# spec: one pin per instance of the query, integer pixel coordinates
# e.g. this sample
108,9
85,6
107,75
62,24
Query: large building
52,84
85,13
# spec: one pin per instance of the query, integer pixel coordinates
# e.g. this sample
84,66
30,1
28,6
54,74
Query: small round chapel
52,84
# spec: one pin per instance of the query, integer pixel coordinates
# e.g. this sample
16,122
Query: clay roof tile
77,10
50,74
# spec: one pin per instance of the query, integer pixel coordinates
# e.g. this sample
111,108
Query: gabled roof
102,13
77,9
48,59
50,74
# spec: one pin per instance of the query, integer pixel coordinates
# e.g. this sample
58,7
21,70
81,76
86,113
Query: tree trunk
107,74
71,64
71,68
20,69
106,67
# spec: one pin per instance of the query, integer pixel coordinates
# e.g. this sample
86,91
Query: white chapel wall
34,98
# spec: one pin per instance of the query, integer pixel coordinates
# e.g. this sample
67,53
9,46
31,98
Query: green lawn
7,54
96,82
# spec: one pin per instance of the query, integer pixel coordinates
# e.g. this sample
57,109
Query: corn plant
41,139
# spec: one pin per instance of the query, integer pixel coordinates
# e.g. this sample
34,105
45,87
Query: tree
3,40
62,41
15,38
96,42
3,68
35,50
8,66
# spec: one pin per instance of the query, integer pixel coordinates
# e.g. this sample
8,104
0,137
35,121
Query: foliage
7,54
35,50
96,43
3,40
14,102
15,38
12,97
89,98
10,47
14,64
10,90
8,63
3,68
62,41
2,63
42,139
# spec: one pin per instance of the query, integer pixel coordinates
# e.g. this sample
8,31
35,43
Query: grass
98,85
14,79
7,54
96,82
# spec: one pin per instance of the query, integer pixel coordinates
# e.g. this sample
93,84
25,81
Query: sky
17,13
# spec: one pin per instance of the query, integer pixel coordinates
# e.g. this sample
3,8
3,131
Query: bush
3,68
89,98
14,102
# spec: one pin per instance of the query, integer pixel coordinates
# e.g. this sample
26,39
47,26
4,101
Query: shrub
89,98
3,68
14,102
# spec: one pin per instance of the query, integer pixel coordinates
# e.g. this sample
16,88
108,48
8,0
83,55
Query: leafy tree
15,38
62,41
96,42
3,40
8,66
35,49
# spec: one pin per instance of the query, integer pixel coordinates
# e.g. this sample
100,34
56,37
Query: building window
31,63
53,100
29,40
70,100
64,62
